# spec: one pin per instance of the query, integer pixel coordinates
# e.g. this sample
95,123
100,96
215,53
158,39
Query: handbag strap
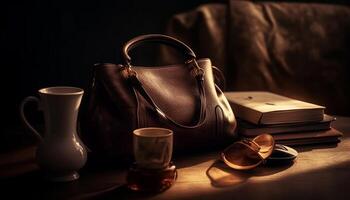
141,90
219,78
196,71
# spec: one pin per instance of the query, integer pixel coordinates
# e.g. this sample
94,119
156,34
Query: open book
260,107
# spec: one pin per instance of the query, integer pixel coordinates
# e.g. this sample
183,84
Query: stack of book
290,121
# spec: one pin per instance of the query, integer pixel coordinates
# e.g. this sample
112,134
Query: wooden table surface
320,172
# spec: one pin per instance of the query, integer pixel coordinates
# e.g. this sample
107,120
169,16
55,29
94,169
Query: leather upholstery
300,50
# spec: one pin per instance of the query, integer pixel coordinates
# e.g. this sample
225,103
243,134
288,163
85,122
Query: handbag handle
196,71
156,38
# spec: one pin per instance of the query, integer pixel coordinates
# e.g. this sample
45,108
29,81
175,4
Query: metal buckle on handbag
127,72
196,71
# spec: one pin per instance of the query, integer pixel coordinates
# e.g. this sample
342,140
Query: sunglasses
248,154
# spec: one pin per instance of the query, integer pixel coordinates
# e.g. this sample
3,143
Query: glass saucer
151,180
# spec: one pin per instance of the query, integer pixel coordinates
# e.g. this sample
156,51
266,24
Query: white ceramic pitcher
60,153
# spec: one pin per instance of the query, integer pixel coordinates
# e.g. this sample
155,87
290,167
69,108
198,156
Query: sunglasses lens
239,156
266,143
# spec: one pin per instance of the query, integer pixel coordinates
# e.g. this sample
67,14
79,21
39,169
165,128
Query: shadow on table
328,182
192,159
221,175
122,192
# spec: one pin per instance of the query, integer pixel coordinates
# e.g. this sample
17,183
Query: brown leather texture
116,107
300,50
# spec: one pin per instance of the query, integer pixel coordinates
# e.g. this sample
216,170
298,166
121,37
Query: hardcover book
248,129
259,107
310,137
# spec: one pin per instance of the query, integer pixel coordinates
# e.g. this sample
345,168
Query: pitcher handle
24,119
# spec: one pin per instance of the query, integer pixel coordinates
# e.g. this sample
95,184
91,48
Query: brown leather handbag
181,97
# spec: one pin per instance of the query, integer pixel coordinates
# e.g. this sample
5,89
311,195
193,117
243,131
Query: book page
268,102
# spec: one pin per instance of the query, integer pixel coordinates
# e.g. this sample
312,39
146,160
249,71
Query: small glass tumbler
153,170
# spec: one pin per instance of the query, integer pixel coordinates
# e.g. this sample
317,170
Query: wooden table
320,172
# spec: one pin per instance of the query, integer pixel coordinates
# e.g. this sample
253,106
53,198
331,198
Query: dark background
50,43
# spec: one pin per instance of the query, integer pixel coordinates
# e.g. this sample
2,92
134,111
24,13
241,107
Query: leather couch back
301,50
